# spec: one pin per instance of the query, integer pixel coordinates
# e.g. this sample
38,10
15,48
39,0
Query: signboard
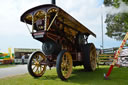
19,52
25,50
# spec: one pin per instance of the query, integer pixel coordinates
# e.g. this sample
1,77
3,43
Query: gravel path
12,71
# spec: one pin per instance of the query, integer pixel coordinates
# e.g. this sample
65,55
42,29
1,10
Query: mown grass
7,65
119,76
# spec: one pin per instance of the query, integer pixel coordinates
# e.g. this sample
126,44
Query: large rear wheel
89,58
64,65
34,64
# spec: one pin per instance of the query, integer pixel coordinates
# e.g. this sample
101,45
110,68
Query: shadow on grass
82,77
79,76
97,77
49,77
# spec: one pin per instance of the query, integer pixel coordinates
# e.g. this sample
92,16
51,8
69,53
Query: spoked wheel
89,57
34,64
64,65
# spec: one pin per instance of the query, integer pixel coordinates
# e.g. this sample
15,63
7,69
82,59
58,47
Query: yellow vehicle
64,41
6,58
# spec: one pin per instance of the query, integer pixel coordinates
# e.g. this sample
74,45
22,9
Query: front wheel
34,64
64,65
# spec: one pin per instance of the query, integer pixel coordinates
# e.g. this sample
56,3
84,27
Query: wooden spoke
34,61
37,57
34,67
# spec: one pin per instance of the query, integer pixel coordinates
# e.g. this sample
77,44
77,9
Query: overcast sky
15,34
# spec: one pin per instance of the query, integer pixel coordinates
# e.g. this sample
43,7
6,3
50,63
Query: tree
117,24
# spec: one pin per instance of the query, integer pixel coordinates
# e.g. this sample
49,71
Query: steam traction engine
64,41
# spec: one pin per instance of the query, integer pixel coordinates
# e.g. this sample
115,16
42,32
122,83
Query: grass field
6,66
119,76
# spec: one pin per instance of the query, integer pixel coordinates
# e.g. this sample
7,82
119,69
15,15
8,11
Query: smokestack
54,2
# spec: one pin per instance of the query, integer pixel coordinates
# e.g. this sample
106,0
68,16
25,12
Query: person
23,57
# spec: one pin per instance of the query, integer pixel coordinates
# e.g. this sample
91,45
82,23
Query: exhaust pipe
54,2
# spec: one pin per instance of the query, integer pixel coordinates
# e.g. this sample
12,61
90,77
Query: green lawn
119,76
6,66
